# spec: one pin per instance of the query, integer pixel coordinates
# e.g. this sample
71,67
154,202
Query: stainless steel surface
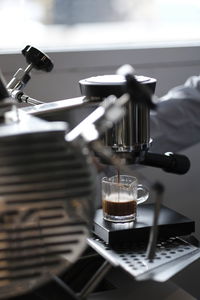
124,135
16,81
46,203
143,125
172,256
110,111
56,106
132,133
29,100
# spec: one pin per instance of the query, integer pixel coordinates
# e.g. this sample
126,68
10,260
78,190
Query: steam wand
151,248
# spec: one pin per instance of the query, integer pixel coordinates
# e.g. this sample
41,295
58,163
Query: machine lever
137,91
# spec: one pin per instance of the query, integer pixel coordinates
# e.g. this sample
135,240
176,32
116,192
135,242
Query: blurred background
96,23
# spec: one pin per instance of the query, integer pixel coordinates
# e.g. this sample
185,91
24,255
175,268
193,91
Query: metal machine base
172,255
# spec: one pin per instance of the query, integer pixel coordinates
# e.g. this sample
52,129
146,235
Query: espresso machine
130,139
48,186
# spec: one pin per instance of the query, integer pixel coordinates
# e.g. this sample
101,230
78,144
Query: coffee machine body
132,133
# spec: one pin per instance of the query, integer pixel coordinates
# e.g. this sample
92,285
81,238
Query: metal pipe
95,280
56,106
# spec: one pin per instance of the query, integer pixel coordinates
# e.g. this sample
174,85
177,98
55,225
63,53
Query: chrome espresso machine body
132,133
130,139
47,185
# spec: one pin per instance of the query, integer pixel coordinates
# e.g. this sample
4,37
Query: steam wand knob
37,59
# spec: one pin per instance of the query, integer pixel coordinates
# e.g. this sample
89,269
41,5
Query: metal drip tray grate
172,255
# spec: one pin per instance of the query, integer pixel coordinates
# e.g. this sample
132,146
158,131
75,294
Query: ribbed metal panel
46,203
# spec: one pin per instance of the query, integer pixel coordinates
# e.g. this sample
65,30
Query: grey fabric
176,123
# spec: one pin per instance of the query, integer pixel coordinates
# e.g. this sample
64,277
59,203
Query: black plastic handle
169,162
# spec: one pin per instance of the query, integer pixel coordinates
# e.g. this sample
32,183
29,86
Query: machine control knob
37,59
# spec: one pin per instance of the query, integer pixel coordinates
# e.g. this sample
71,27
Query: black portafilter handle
169,162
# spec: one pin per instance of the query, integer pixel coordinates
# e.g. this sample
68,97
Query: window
62,24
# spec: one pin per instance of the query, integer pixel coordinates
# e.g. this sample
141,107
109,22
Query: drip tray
172,255
124,245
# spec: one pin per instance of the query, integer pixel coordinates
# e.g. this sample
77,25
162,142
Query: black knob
38,59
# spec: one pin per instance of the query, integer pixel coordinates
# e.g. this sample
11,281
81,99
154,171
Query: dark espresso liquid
119,207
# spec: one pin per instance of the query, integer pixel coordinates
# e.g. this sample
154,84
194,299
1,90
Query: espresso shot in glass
120,198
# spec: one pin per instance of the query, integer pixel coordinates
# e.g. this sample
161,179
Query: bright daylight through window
63,24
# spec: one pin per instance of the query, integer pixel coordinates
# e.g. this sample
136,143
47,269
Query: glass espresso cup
120,197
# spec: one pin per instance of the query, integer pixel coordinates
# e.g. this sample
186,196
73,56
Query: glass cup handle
145,193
